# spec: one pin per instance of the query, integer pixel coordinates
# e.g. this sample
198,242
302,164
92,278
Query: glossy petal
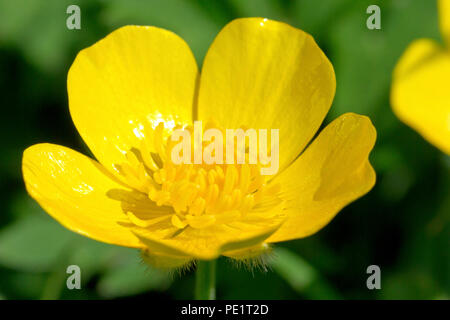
134,78
73,188
206,243
420,94
265,74
444,19
332,172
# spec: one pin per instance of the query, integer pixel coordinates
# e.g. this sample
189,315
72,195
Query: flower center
200,194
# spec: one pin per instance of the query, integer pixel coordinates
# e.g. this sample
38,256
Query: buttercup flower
420,94
131,90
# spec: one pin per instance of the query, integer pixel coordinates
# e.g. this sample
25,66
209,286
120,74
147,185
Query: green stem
205,281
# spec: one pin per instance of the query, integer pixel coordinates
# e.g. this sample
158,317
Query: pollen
201,195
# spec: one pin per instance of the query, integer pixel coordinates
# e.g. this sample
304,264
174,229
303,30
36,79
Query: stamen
201,195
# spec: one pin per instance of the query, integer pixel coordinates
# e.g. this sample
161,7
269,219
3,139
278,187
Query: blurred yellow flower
420,94
130,90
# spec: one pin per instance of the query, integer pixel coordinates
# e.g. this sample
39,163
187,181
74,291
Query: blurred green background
402,225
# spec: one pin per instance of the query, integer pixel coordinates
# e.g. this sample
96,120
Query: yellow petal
333,171
420,94
206,243
134,78
260,73
73,189
444,19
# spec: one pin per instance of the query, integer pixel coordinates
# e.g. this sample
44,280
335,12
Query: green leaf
91,256
301,276
130,276
33,243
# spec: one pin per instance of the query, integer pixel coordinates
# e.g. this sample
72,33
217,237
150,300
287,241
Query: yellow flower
420,94
130,90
